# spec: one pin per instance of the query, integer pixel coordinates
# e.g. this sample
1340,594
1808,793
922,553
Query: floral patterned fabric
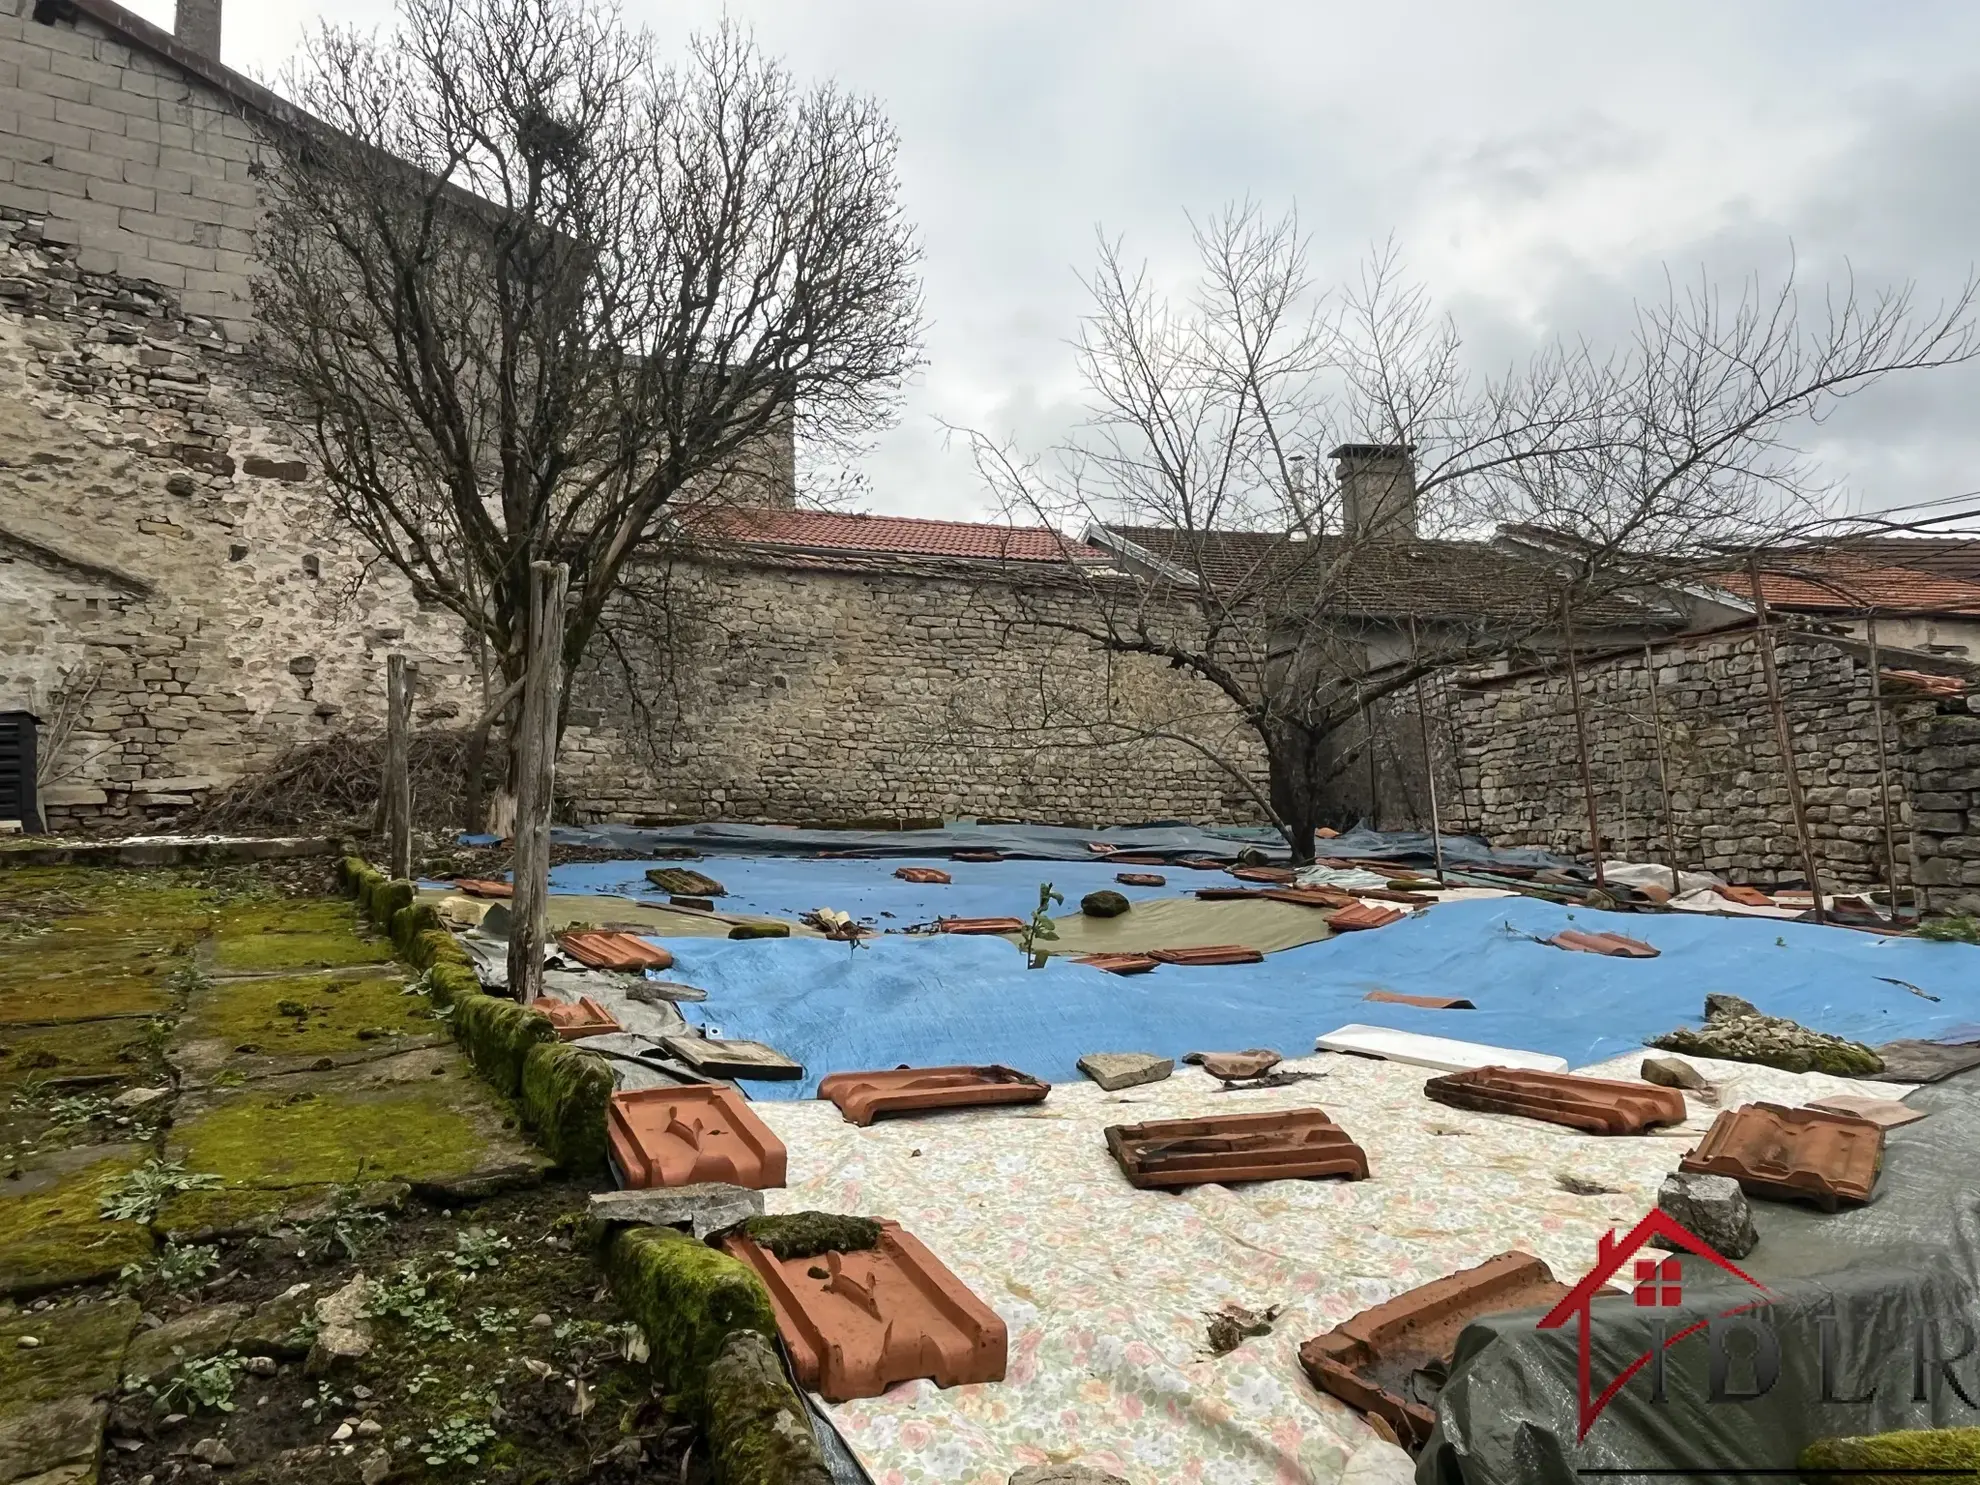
1107,1290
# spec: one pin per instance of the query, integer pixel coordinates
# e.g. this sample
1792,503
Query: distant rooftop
1843,582
906,536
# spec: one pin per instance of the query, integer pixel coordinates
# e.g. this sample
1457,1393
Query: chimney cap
1372,451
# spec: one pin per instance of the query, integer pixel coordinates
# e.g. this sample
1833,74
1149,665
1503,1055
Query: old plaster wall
842,692
1729,794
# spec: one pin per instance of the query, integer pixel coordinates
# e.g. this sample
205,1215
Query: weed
174,1269
345,1229
419,984
138,1196
324,1403
417,1383
78,1109
207,1384
497,1322
1040,929
478,1248
459,1439
1956,929
408,1298
187,980
295,1010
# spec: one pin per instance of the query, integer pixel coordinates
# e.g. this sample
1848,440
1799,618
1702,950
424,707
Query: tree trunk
1299,776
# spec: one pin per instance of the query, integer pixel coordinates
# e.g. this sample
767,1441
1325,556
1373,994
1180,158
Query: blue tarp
1035,842
937,1000
786,886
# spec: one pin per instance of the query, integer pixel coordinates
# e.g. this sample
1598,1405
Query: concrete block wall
148,174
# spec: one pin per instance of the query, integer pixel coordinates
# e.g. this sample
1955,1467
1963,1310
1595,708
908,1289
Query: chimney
197,25
1378,490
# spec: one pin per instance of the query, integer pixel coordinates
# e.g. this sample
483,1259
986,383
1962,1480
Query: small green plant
492,1321
1041,929
1956,929
79,1108
417,1383
419,984
207,1384
295,1010
324,1404
174,1269
345,1229
408,1298
139,1195
459,1439
477,1249
187,980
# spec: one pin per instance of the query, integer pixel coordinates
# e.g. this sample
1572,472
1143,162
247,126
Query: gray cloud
1540,161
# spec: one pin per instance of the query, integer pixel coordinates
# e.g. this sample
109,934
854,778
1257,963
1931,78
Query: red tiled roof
811,530
1838,582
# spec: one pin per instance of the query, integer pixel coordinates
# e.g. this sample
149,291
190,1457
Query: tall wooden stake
398,766
1883,765
1663,768
1785,738
543,685
1374,771
1581,747
1430,775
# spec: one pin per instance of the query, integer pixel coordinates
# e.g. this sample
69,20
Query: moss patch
275,1144
305,1015
1914,1450
498,1035
50,1233
268,937
113,1049
564,1093
758,1430
689,1299
80,1354
808,1234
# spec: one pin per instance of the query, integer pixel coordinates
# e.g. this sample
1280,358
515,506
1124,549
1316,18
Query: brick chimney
197,25
1378,490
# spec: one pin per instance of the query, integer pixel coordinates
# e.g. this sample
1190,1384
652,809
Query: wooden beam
398,765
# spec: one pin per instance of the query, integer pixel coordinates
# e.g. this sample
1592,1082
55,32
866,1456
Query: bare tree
526,287
1310,598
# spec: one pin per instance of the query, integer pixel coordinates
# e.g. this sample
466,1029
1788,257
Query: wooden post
1883,764
1663,768
1581,746
1430,776
1374,770
543,685
1785,738
398,765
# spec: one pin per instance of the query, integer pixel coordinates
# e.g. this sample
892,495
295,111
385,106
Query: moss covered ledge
1905,1455
712,1336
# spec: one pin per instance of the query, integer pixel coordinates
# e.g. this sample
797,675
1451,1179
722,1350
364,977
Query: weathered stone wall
1728,790
832,694
1943,754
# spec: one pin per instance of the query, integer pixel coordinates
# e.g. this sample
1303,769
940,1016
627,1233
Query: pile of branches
334,783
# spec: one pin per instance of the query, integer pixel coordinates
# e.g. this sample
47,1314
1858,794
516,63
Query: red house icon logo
1659,1285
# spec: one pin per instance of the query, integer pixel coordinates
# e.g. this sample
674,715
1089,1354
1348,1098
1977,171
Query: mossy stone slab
421,1117
50,1233
298,934
81,1353
292,1020
73,973
115,1049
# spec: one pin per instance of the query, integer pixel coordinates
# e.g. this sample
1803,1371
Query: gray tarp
1886,1283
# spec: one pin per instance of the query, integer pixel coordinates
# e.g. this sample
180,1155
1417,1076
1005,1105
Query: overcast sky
1539,161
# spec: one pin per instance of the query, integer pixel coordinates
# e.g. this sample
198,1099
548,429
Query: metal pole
1883,764
398,766
529,928
1581,746
1785,738
1663,768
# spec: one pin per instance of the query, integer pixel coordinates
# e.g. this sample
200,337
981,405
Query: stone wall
836,692
1728,790
1943,753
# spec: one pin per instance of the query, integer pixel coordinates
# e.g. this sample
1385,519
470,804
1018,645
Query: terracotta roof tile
1839,582
811,530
